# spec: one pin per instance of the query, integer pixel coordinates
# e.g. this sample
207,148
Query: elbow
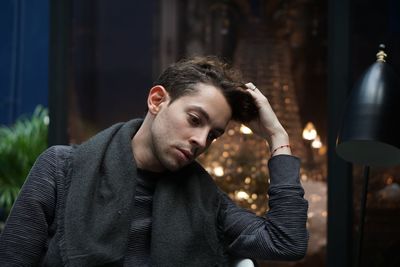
298,250
292,250
299,254
293,254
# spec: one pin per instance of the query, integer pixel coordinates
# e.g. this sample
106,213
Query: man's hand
267,124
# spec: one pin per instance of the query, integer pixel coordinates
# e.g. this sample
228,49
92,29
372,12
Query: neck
141,146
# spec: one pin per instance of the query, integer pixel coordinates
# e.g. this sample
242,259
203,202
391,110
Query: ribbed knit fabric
280,235
138,252
25,237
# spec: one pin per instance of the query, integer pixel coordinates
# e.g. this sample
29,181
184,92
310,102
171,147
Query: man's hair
180,78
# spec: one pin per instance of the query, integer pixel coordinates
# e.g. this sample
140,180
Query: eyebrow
207,117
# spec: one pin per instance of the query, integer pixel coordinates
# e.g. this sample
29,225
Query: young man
133,195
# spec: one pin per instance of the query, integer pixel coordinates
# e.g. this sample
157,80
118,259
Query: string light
219,171
242,195
245,130
315,197
309,132
316,143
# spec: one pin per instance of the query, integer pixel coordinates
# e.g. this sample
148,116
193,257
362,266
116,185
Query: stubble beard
163,154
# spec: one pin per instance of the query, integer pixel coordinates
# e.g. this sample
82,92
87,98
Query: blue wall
24,45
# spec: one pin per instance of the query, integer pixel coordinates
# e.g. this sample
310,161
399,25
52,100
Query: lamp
370,132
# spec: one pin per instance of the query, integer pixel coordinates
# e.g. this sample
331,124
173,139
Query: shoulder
55,159
62,152
55,154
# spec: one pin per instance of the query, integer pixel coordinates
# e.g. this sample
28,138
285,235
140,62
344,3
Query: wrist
278,139
281,150
280,144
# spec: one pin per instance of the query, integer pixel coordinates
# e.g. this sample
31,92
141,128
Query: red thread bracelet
279,147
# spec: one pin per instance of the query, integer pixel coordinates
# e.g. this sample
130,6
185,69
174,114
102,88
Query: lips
188,155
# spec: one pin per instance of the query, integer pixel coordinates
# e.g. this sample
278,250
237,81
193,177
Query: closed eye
194,120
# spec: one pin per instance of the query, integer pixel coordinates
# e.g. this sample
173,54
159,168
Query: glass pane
281,49
381,236
278,45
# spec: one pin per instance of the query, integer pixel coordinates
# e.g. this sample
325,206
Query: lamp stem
363,205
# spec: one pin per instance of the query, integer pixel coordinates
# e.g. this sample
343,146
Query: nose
199,139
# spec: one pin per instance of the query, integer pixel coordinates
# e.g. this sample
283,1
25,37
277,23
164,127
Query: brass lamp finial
381,55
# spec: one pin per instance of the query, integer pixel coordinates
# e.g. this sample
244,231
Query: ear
158,96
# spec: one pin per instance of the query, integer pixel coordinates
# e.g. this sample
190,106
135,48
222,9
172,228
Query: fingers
251,86
260,100
254,91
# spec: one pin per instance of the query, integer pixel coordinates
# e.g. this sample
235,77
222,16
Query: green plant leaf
20,145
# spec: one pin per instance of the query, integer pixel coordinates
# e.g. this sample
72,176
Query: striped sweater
280,234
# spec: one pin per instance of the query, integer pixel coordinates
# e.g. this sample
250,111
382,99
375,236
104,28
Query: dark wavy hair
180,78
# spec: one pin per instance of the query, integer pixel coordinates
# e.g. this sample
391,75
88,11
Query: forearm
281,234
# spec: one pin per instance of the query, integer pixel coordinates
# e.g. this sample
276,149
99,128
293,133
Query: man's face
184,129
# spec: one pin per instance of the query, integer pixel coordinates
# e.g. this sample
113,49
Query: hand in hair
267,125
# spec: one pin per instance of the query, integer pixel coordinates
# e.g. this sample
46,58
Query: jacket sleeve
281,233
26,231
